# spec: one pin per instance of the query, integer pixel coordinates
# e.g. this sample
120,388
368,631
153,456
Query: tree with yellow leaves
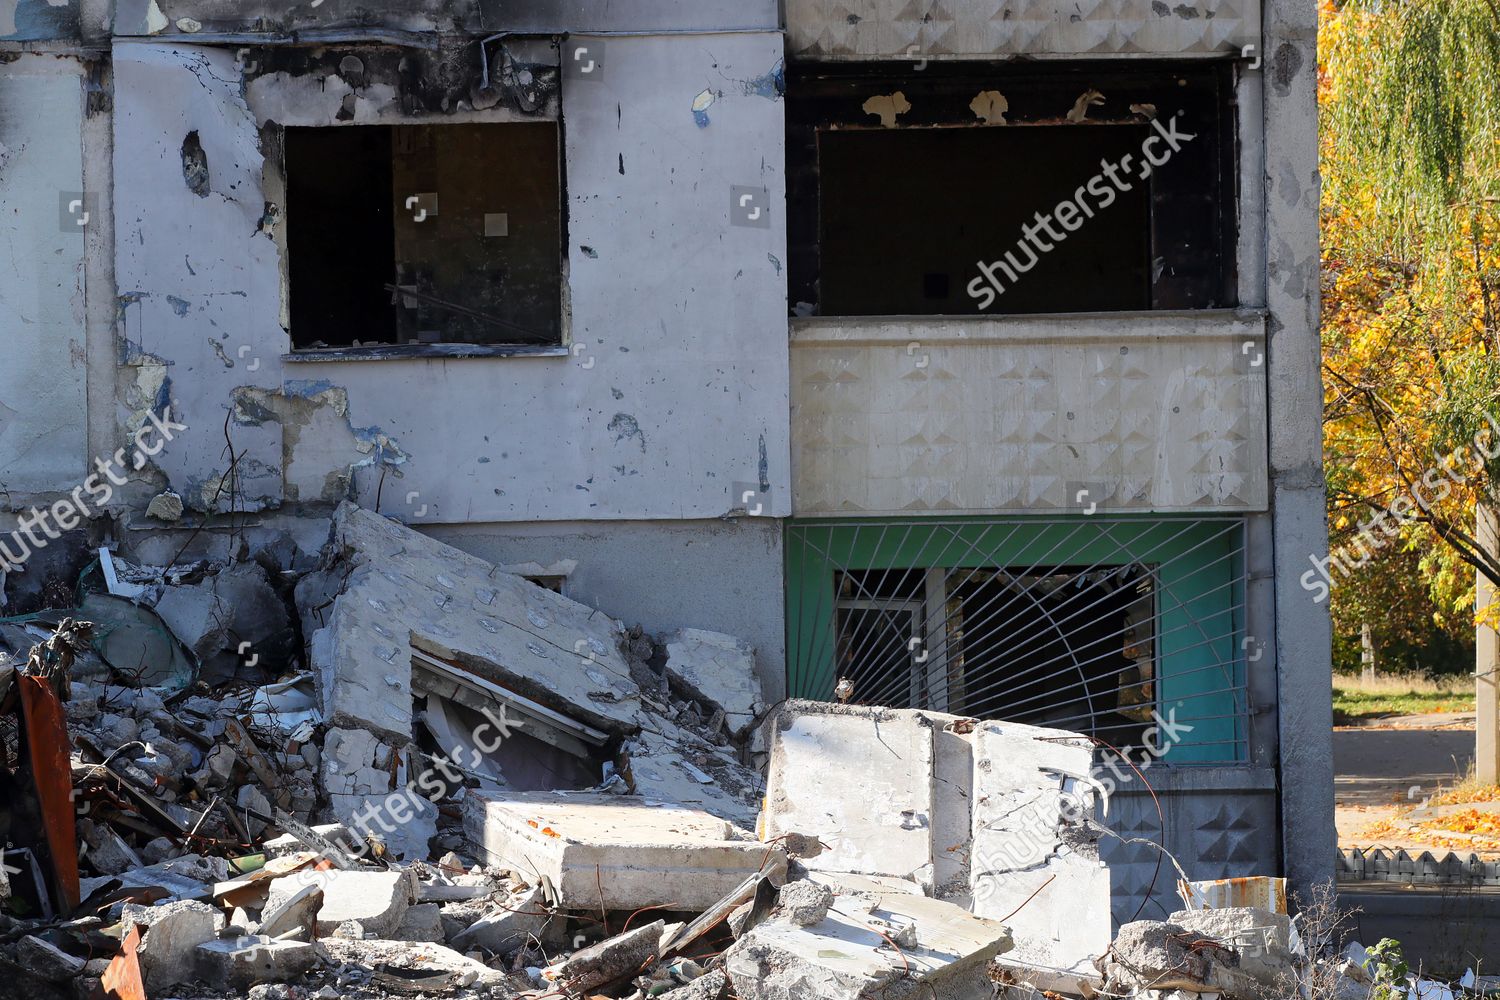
1409,94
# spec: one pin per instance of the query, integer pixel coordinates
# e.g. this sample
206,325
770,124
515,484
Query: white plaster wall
676,389
1147,412
42,377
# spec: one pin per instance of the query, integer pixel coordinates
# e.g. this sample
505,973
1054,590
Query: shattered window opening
419,236
906,190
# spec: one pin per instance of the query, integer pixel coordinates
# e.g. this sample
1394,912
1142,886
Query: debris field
390,769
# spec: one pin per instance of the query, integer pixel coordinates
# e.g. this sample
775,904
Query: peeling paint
195,165
887,107
625,426
700,106
1087,99
320,447
771,85
990,107
218,349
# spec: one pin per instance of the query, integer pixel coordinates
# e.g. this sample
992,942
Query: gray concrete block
718,669
173,933
239,963
847,955
378,900
422,922
640,853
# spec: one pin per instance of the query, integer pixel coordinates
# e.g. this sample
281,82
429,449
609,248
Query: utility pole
1486,657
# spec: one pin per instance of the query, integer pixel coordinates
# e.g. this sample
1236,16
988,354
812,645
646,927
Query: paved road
1377,766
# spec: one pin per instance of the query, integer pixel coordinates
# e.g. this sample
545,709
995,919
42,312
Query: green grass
1354,699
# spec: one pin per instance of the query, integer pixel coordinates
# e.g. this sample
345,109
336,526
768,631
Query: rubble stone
611,958
718,669
165,506
173,933
238,963
1155,955
158,850
250,798
1261,937
289,913
378,900
42,958
422,922
108,853
713,985
804,903
523,915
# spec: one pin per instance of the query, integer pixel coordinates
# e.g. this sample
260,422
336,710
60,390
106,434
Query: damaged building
758,462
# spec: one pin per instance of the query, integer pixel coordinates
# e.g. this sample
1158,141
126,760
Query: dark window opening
899,220
424,234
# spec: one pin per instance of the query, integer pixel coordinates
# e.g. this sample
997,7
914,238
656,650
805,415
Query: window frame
449,350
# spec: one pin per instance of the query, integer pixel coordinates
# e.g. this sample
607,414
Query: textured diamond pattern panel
859,29
1149,414
1213,833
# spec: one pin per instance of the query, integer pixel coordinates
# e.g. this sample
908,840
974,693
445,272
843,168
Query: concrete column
1295,408
1486,658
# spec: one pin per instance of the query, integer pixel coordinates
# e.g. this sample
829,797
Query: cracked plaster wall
676,387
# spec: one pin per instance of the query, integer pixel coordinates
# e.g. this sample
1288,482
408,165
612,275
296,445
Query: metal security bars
1110,626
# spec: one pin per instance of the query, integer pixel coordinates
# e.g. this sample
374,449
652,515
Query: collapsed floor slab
989,816
392,584
384,592
631,852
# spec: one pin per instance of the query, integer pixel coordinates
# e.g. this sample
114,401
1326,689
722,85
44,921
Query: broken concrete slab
422,922
860,780
702,777
641,853
376,899
1261,937
857,950
718,669
197,616
401,587
260,629
298,911
522,916
173,933
376,953
1155,955
613,958
241,962
1031,796
985,815
43,958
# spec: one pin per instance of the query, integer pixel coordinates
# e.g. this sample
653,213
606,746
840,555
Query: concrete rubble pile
396,770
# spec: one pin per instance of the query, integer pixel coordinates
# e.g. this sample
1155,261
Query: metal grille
1102,625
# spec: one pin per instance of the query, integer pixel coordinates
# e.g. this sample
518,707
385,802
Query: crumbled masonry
434,778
